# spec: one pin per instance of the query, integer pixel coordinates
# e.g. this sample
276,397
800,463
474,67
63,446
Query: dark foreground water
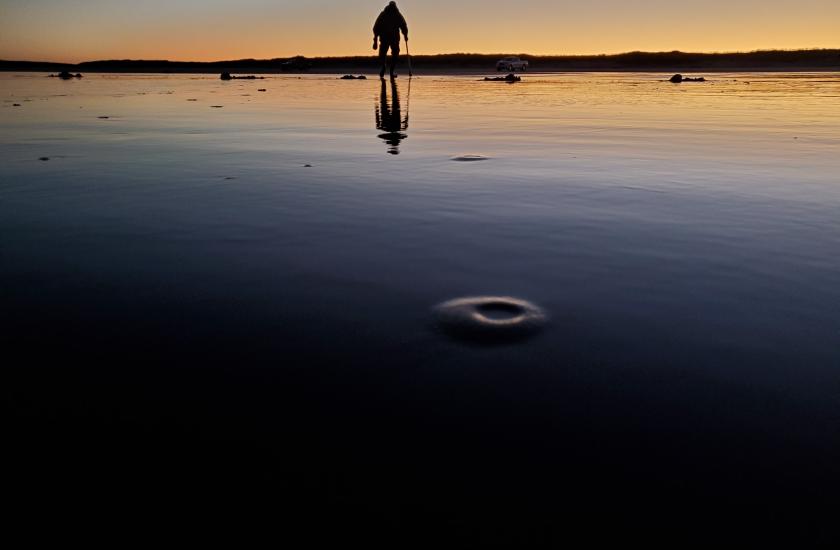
195,321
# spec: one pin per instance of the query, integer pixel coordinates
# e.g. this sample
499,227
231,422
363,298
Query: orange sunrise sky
205,30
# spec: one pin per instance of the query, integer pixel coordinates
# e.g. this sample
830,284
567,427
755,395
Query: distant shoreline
758,61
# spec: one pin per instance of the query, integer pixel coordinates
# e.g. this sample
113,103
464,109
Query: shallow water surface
264,273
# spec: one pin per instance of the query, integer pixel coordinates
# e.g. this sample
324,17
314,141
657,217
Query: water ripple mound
489,319
469,158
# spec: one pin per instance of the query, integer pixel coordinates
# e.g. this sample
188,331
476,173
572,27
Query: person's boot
382,72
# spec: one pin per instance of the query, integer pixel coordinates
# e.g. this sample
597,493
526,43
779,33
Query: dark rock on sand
64,75
15,104
227,76
469,158
262,90
509,78
351,77
677,78
45,159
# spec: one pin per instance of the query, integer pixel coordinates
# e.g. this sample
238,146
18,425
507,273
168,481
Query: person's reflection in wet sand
389,118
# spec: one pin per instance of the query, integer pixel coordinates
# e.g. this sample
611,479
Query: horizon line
564,55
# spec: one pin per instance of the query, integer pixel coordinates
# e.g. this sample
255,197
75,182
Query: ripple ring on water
491,319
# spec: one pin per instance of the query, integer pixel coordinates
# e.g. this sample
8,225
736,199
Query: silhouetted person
389,118
386,31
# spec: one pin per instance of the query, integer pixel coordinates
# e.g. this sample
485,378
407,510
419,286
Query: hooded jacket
389,24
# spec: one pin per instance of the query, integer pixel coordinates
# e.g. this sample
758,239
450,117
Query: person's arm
376,27
404,27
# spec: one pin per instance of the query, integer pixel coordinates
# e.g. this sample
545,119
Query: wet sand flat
246,294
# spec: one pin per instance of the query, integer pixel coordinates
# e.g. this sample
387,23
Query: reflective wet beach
180,287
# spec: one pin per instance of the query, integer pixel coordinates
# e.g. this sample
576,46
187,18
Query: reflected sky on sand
242,282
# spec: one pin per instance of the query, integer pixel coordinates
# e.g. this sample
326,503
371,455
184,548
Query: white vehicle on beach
511,64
